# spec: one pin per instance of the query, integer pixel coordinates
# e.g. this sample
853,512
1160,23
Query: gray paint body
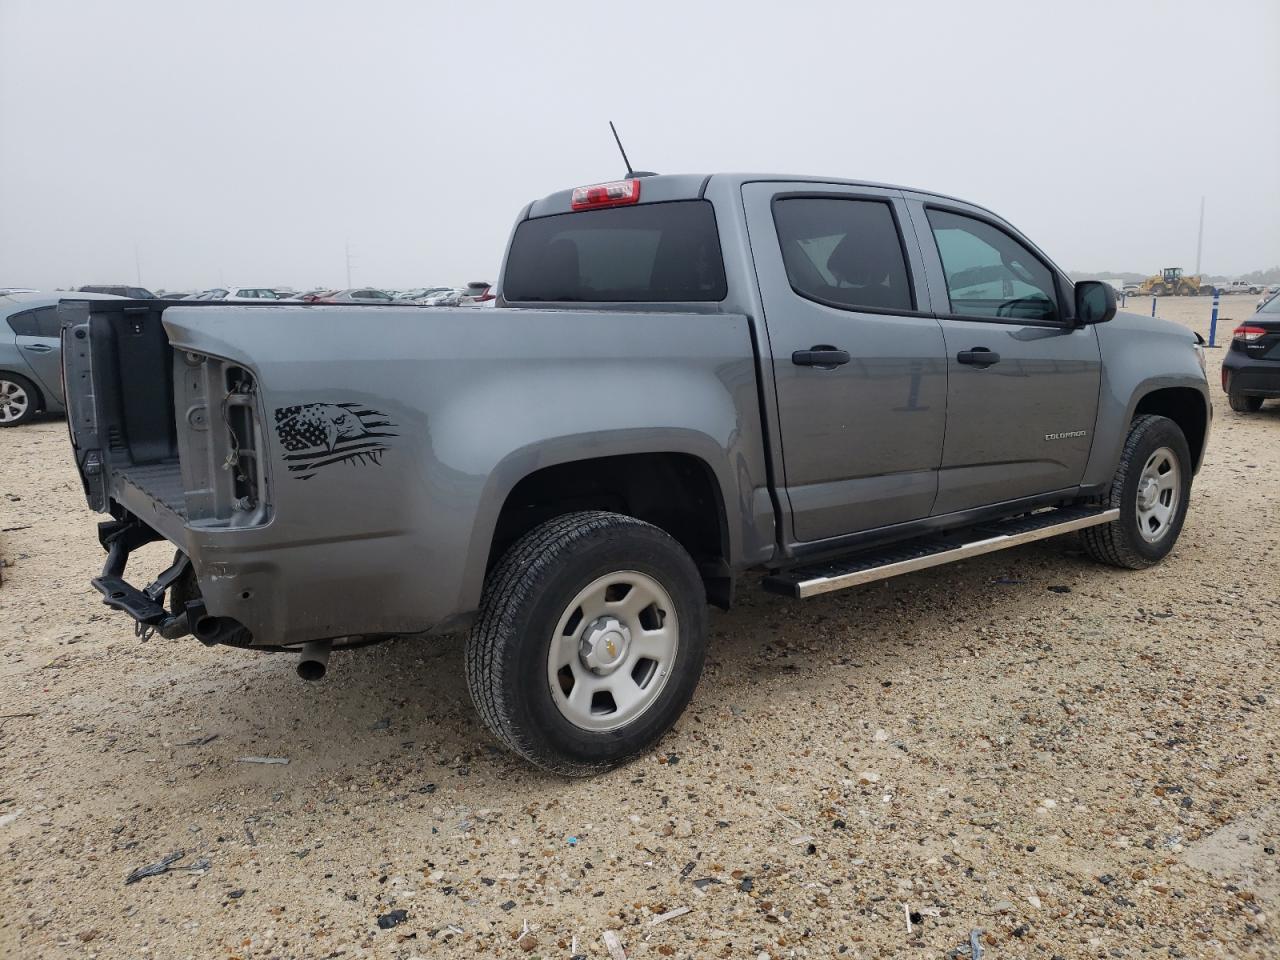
901,436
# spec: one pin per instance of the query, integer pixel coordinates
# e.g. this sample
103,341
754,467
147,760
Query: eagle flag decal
318,435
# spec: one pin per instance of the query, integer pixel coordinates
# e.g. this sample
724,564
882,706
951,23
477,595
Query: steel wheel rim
14,401
1159,490
613,650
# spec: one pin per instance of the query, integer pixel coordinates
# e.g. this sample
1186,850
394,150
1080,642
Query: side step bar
920,554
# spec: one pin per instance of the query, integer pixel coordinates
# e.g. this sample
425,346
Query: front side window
648,253
989,274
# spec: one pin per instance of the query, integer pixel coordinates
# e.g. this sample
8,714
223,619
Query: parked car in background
442,297
1131,289
1251,367
249,294
310,296
477,291
1240,286
419,294
119,290
31,354
356,295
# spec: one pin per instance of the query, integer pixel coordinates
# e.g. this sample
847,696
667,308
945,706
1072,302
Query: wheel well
675,492
1185,407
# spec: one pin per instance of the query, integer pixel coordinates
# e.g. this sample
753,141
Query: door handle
37,347
822,355
978,357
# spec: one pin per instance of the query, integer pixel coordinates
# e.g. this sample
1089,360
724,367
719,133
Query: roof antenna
630,172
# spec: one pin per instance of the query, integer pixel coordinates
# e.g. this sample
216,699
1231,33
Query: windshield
651,253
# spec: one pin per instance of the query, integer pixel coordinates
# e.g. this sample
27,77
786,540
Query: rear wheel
589,642
1158,290
1243,403
1151,489
17,400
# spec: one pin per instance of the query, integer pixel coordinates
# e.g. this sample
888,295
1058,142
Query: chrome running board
908,556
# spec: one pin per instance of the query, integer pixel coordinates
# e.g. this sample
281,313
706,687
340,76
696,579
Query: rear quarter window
649,253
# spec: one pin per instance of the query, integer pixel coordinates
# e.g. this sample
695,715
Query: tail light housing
619,193
1248,333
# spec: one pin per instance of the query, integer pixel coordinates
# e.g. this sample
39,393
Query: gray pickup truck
684,378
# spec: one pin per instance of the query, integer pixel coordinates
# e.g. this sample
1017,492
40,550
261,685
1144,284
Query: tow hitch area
120,538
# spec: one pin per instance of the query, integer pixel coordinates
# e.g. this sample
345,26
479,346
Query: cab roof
661,188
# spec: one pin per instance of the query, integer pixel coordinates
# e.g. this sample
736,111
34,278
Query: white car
1241,286
249,294
235,294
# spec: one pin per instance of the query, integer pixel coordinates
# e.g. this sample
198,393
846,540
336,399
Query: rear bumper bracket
120,538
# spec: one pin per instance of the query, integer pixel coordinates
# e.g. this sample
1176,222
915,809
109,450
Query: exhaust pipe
313,663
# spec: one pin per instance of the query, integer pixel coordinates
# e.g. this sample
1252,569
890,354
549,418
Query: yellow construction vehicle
1170,282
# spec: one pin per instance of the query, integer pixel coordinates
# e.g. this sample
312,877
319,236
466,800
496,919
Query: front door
1023,378
860,370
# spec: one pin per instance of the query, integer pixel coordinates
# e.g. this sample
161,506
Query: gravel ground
1078,761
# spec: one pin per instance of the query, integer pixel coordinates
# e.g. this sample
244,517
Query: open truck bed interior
123,425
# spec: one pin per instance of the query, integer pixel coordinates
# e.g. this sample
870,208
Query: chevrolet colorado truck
685,378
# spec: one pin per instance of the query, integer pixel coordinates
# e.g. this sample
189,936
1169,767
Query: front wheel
1151,489
589,642
1243,403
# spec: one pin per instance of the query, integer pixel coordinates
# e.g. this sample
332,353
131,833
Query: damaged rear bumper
146,606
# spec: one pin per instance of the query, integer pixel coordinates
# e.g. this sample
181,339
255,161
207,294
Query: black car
119,290
1251,368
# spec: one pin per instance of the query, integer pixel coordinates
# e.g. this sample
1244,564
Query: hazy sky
247,142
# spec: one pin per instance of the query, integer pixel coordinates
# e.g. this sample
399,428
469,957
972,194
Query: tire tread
1107,542
508,589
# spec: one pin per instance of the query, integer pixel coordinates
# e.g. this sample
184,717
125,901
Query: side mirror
1095,302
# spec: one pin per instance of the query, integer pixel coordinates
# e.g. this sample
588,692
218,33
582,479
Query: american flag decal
319,435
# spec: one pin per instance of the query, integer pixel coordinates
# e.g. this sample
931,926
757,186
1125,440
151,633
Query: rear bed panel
387,440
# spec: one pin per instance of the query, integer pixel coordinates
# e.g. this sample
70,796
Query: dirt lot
1079,761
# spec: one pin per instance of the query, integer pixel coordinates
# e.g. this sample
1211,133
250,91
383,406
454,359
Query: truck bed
160,483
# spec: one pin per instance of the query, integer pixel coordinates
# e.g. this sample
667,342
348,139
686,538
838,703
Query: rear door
1023,378
860,370
37,333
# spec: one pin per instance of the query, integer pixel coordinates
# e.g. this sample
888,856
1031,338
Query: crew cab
684,378
1242,286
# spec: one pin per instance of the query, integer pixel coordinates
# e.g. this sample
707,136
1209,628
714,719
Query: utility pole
1200,236
348,249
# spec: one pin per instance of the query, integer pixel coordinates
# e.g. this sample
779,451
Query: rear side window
844,253
989,274
36,323
649,253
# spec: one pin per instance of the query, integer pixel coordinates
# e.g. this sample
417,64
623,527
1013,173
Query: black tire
1243,403
27,390
1120,542
525,597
